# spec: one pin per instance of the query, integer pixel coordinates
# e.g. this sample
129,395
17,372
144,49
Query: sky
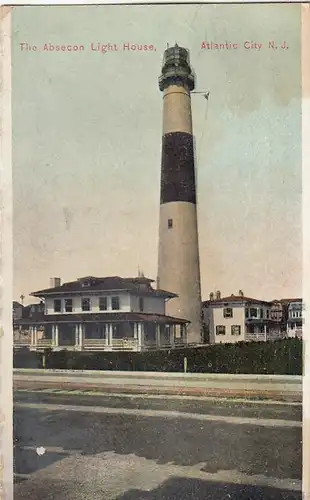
87,129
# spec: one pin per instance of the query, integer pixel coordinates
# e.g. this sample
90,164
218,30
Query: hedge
279,358
23,358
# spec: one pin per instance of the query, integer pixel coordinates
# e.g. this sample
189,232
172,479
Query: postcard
154,203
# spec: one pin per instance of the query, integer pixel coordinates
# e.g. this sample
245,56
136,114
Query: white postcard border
6,248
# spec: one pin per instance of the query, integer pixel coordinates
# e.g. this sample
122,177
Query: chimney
211,296
55,282
241,294
218,295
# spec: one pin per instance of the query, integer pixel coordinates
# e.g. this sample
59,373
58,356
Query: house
295,318
109,313
288,314
21,324
238,318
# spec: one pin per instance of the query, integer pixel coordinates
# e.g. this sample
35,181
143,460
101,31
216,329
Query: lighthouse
178,252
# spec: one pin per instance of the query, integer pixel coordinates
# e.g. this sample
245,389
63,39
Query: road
113,447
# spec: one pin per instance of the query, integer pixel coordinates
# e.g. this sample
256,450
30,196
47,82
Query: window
228,312
57,305
141,304
86,304
115,303
220,330
103,303
246,313
261,313
68,305
253,312
235,329
267,314
170,223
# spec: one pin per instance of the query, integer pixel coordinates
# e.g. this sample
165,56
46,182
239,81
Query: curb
159,375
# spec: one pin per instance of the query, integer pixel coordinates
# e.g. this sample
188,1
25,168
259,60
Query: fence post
185,364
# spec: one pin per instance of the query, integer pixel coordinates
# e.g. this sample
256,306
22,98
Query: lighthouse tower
178,253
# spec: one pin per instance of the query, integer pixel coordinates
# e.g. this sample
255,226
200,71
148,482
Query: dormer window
87,281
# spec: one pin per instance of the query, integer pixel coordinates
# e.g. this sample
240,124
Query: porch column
56,335
171,334
32,335
138,333
157,335
110,334
135,333
35,335
106,333
135,330
185,333
265,332
77,334
81,335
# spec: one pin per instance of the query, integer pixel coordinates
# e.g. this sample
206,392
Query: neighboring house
104,314
34,311
21,326
295,318
17,311
288,315
278,311
238,318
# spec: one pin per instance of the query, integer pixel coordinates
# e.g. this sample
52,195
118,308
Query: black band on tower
177,168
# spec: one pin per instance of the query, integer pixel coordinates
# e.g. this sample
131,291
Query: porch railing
101,344
21,343
44,343
123,344
180,340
